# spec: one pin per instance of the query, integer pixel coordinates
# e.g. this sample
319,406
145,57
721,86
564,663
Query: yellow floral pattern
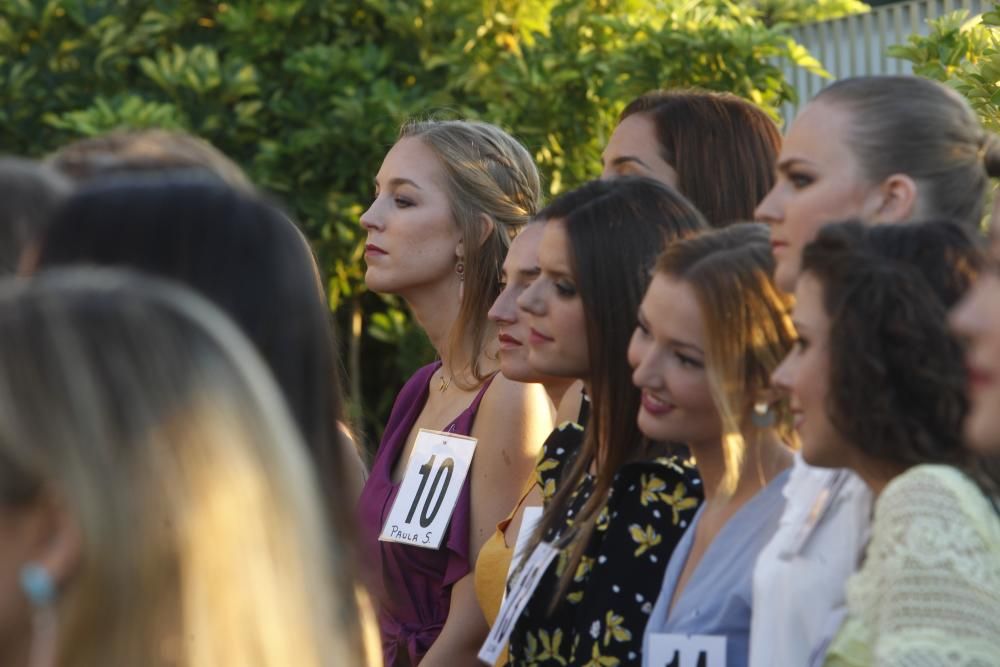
646,538
679,501
600,619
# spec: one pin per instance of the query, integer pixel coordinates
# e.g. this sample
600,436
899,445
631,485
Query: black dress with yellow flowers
600,620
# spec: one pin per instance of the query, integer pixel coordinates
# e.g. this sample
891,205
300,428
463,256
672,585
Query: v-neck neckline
674,601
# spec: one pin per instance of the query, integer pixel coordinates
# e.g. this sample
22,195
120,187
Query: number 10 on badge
435,472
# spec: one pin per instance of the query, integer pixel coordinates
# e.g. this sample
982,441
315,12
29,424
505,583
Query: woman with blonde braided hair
450,195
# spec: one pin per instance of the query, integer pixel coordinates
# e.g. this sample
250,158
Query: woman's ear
486,229
58,542
895,200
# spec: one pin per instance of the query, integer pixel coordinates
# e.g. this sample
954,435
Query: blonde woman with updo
450,195
157,505
884,150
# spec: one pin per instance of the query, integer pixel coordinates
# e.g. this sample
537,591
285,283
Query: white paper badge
431,485
522,587
530,519
668,650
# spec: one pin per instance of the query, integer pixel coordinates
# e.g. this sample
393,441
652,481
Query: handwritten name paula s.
414,538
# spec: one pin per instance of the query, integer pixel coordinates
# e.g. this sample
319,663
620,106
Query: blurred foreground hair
138,407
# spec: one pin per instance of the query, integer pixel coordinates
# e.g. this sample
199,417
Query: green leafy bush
965,54
308,95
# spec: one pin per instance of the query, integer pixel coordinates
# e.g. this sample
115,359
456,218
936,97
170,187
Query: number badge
435,472
663,650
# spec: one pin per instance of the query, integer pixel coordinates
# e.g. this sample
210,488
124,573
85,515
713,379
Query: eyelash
688,361
565,291
800,343
402,202
800,181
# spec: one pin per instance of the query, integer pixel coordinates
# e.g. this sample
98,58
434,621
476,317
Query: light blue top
718,596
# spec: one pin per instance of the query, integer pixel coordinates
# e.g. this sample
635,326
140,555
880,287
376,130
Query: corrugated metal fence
856,45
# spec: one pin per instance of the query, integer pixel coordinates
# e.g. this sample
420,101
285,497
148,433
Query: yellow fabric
490,574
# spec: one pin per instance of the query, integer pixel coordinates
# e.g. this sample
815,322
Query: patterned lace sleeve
936,583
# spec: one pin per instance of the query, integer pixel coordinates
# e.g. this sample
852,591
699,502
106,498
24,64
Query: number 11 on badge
435,472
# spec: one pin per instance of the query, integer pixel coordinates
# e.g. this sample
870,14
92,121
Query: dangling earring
460,270
38,587
763,415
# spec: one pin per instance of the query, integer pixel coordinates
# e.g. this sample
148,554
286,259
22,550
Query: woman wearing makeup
620,502
520,268
712,329
977,321
877,386
884,149
449,197
694,140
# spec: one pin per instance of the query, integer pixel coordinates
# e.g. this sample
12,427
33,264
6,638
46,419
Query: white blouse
799,578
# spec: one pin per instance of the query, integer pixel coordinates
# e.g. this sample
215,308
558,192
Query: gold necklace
445,382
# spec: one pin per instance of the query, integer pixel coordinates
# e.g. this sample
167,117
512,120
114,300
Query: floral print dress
600,621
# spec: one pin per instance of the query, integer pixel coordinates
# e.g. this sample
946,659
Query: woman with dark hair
881,149
977,320
246,256
620,503
717,149
877,386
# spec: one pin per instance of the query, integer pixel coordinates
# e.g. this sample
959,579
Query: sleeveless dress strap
462,424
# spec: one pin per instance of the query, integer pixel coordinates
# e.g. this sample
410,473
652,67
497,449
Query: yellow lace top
929,590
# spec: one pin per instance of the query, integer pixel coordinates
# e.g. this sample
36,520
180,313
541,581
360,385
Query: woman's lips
655,406
536,338
978,377
508,342
778,245
372,249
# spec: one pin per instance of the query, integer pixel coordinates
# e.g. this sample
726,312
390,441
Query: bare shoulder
513,405
569,406
513,421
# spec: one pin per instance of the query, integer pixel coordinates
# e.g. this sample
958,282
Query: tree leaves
308,95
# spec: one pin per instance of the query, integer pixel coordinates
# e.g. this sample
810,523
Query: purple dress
412,586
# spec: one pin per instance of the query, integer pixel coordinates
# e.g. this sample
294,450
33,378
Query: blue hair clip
37,584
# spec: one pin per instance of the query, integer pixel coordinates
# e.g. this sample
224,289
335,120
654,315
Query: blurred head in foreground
29,193
156,503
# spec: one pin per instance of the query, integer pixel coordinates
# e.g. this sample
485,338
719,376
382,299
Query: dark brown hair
896,384
615,229
246,256
723,148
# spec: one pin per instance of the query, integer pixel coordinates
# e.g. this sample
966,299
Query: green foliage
308,95
773,12
965,54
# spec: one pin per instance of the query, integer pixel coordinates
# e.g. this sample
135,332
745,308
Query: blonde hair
144,412
748,324
151,150
488,173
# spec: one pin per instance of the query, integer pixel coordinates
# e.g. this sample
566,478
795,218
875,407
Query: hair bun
989,153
